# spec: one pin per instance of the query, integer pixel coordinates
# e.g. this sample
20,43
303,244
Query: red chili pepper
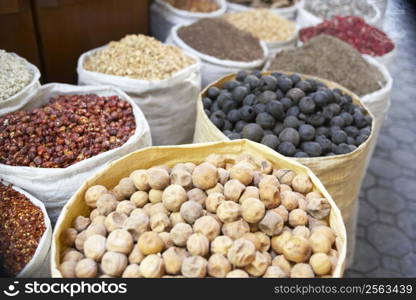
365,38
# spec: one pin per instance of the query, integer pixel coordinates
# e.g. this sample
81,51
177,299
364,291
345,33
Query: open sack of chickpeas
226,209
63,135
316,122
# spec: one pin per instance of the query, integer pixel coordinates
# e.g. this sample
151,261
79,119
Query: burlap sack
172,155
341,175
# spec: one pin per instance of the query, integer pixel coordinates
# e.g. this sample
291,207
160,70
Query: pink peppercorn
365,38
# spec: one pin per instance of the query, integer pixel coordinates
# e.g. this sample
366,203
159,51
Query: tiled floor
386,245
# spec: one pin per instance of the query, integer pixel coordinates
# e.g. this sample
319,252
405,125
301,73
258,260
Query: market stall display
25,234
161,79
221,47
276,31
18,79
166,14
64,134
209,196
275,95
364,37
284,8
313,12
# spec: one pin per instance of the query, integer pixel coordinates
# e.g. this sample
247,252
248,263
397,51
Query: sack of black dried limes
317,122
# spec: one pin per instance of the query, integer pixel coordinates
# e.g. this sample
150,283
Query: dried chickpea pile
263,24
222,218
138,57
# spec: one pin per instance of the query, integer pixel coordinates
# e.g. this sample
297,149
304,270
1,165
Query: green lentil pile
14,75
330,58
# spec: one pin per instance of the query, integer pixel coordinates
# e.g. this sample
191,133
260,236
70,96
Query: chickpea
160,222
243,172
182,177
126,187
298,217
289,200
236,230
302,184
95,247
208,226
198,244
173,258
278,241
167,240
120,240
68,236
297,249
205,176
197,195
141,180
228,211
191,211
140,198
224,175
249,192
271,224
67,269
155,196
218,188
264,241
284,176
237,273
125,207
213,201
274,272
72,255
221,244
216,160
194,267
150,243
135,256
81,223
86,268
233,190
325,230
258,266
320,263
159,178
180,234
173,197
320,243
80,240
106,204
302,270
252,210
269,180
281,262
157,208
241,253
136,225
218,266
132,271
152,266
93,193
115,220
176,218
270,196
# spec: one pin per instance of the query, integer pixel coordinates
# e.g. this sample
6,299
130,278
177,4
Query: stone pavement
386,236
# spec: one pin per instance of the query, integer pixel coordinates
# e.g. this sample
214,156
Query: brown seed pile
69,129
330,58
138,57
216,37
200,6
263,24
22,226
226,217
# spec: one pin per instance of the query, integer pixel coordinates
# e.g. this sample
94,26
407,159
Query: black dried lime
290,135
239,93
284,83
253,81
247,113
291,121
234,136
352,131
313,149
276,109
233,115
268,82
278,128
306,132
295,94
322,131
301,154
241,75
250,100
265,120
337,121
213,92
238,127
307,105
228,105
231,85
206,102
286,148
260,107
271,141
339,137
320,98
293,111
324,142
304,86
253,132
266,97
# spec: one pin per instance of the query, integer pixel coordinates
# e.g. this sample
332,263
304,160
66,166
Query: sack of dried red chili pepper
25,234
364,37
64,134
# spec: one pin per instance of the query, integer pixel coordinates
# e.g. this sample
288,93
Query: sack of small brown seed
48,150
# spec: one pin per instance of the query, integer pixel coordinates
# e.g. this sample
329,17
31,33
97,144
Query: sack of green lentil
341,172
220,158
18,80
314,12
64,134
221,47
24,251
165,14
162,80
289,12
